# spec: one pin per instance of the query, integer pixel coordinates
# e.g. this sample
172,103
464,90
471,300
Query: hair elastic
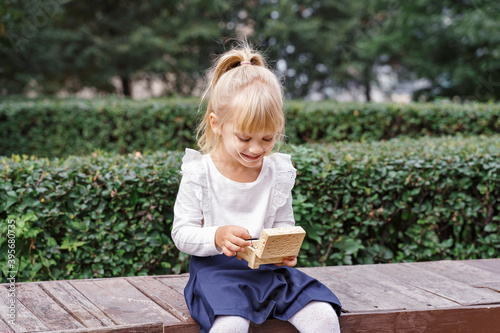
246,62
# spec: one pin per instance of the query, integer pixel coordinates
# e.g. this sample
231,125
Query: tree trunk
126,86
366,82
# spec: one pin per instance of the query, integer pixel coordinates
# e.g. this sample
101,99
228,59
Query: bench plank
25,320
4,328
492,265
163,295
45,307
462,272
76,304
458,292
416,297
372,290
122,302
351,297
176,282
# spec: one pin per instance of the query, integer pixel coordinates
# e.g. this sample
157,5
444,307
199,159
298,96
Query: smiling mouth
251,158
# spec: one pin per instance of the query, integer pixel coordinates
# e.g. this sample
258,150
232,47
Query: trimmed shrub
354,121
402,200
85,217
58,128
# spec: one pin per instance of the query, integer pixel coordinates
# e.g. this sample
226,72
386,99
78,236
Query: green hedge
91,216
401,200
332,121
58,128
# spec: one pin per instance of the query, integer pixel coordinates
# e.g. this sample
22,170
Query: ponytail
233,59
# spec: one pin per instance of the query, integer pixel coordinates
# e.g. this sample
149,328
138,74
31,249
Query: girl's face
248,149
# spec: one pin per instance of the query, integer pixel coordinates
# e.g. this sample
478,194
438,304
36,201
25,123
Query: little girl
231,191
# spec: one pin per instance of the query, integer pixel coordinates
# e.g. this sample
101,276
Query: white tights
315,317
230,324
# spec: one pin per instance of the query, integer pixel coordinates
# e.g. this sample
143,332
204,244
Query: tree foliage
453,44
317,46
85,44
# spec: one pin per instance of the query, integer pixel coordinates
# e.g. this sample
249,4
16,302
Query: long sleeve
284,215
188,232
282,195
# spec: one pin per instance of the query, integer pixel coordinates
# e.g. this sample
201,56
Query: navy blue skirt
222,285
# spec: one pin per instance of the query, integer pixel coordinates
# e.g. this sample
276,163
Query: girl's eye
268,140
243,140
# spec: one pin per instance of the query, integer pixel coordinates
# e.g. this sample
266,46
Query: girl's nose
256,148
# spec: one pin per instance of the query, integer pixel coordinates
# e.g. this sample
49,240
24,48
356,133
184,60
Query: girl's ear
214,123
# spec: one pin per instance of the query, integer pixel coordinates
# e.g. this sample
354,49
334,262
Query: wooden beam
193,327
273,326
484,319
140,328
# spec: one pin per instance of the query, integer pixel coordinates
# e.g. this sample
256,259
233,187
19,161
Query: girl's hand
290,262
231,239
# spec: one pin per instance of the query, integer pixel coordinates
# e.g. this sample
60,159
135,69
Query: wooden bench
441,296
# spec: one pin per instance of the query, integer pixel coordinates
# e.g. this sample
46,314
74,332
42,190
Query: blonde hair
249,94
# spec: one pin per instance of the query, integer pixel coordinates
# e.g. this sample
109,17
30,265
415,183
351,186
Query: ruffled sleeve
189,233
194,171
285,180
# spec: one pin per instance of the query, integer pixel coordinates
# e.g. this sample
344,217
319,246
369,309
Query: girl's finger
233,247
228,253
240,242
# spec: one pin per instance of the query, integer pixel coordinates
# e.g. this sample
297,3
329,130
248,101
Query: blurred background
347,50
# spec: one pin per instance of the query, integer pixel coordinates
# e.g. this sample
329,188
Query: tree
453,44
306,39
85,44
318,46
22,25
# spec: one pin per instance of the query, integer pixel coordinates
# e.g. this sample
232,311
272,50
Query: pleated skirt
222,285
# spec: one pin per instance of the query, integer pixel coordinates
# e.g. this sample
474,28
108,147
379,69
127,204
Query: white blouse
207,200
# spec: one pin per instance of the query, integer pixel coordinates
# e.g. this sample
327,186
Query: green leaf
71,246
491,228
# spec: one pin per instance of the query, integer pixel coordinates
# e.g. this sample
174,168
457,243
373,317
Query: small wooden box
273,246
